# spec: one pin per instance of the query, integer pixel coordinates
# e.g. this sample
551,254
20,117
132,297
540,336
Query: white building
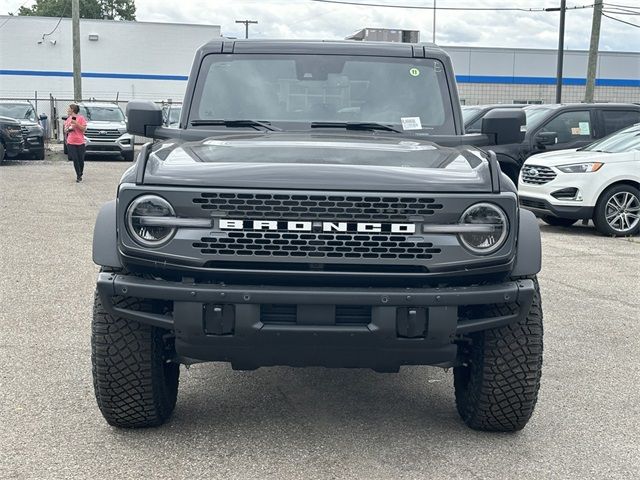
119,59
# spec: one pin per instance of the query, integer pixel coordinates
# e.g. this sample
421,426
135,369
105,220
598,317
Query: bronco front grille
537,175
316,207
317,245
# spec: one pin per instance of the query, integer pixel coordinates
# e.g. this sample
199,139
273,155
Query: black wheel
128,156
557,221
617,212
135,384
2,152
497,386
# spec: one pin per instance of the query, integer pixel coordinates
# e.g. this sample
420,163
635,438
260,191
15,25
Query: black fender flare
105,237
529,249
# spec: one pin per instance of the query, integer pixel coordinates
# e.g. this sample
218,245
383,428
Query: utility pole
434,21
246,26
563,10
593,51
75,26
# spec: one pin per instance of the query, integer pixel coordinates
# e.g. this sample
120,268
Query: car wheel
557,221
135,381
497,385
617,212
2,152
128,156
39,155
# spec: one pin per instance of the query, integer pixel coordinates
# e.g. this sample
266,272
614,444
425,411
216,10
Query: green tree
109,9
118,9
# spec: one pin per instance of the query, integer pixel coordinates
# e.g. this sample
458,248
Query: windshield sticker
584,128
414,72
411,123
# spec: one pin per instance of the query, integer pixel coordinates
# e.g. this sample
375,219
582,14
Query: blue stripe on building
601,82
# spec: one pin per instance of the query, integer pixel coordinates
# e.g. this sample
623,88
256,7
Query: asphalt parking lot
284,423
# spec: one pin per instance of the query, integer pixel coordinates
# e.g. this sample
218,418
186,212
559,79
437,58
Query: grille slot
287,314
527,202
317,245
317,207
25,130
537,175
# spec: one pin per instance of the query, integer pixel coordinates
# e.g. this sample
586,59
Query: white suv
599,182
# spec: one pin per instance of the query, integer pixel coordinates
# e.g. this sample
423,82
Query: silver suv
106,132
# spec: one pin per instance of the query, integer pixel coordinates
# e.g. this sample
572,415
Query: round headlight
491,219
144,232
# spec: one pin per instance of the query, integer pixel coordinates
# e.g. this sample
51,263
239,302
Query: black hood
324,161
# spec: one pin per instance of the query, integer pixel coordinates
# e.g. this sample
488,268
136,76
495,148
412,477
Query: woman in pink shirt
74,127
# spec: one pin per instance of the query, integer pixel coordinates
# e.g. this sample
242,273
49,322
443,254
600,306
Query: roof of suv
556,106
227,45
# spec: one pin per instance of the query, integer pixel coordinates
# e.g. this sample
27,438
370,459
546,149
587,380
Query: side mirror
546,138
143,117
506,125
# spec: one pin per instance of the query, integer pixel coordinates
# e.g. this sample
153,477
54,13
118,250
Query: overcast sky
309,19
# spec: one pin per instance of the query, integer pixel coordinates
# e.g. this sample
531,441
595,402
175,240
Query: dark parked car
32,132
564,126
473,115
10,138
319,205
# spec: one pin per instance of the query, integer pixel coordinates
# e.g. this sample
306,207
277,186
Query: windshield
622,141
409,93
535,115
469,112
102,114
18,111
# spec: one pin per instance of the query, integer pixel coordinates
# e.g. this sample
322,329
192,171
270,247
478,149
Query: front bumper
539,198
541,207
109,146
245,325
32,144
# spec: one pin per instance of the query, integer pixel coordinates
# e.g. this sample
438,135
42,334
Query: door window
615,120
571,126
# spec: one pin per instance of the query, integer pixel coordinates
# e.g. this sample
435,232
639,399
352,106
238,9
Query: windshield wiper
236,123
355,126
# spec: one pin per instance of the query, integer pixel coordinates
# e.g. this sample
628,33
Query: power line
621,21
14,13
424,7
632,7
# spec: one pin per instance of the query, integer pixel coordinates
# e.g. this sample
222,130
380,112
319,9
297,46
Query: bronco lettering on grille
273,225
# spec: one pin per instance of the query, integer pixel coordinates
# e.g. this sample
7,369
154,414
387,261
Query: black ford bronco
319,205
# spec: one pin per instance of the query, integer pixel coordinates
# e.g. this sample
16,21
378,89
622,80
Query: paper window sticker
575,131
584,128
411,123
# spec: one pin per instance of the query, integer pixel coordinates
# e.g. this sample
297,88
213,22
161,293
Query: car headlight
581,167
489,218
122,130
14,131
140,216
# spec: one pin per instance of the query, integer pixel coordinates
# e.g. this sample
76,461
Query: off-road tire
135,385
557,221
599,214
497,387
